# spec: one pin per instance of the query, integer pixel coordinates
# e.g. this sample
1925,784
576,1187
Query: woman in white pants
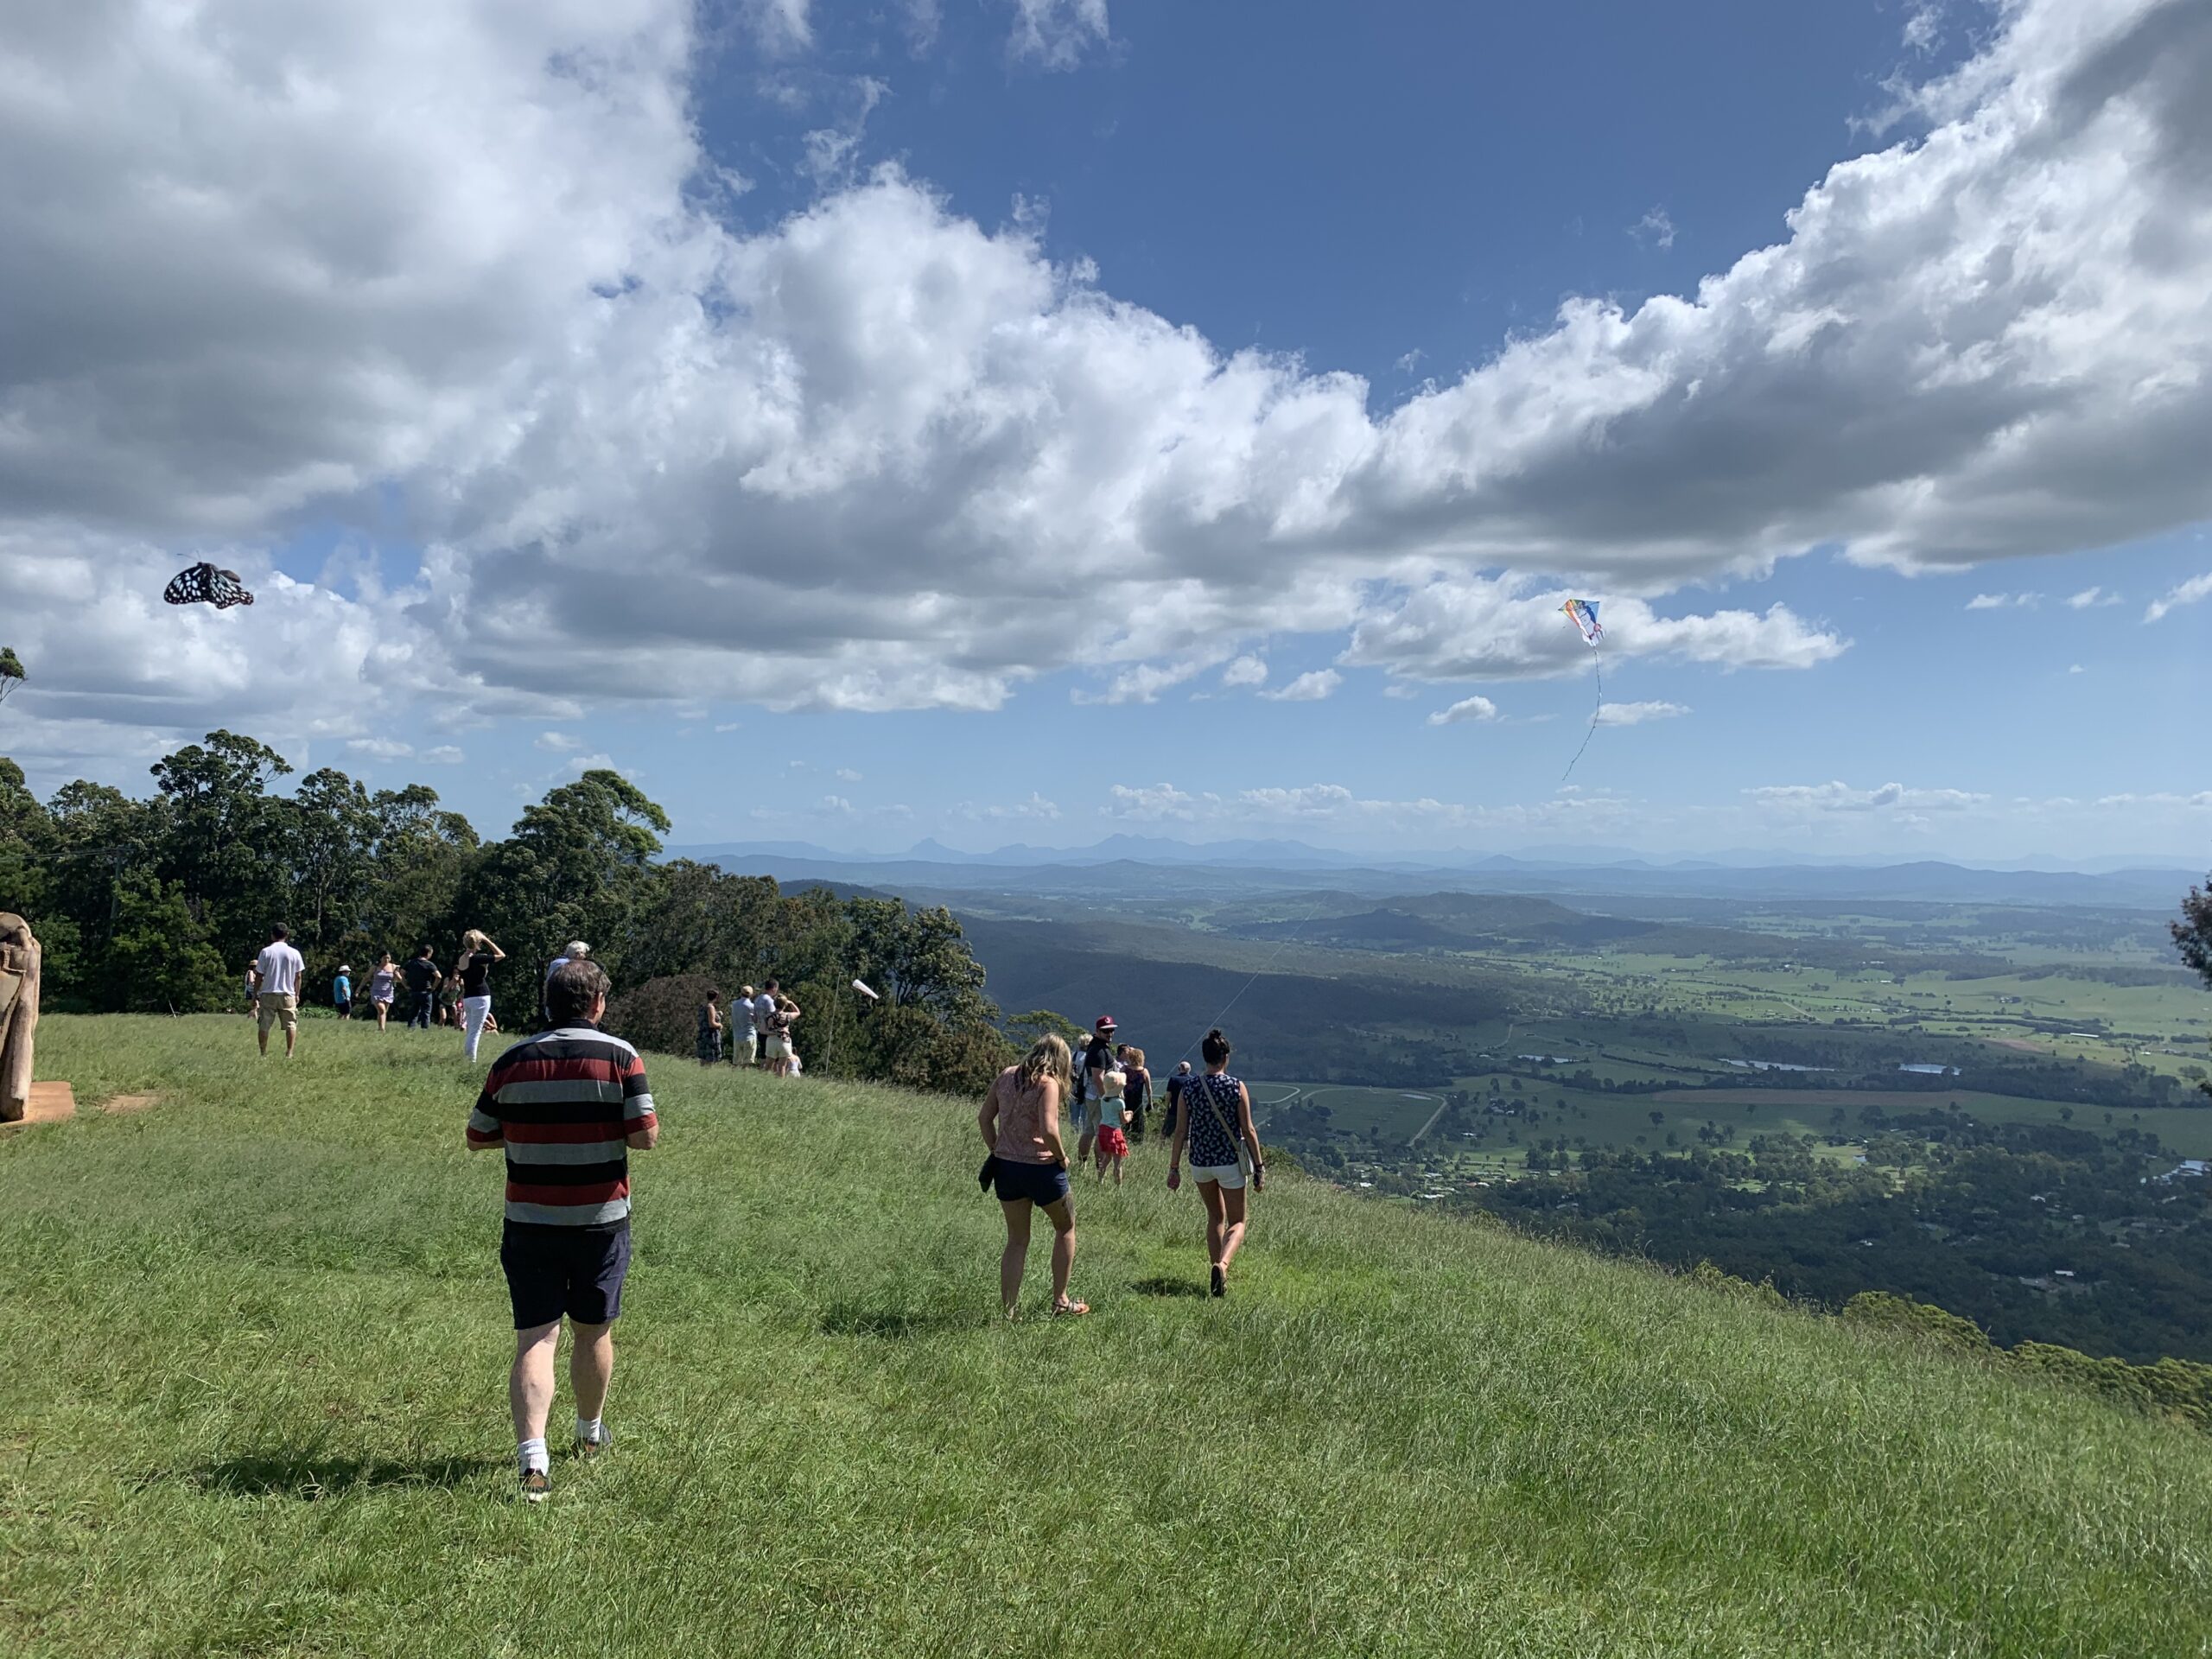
478,953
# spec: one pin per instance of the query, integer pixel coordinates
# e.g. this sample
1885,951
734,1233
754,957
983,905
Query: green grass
256,1341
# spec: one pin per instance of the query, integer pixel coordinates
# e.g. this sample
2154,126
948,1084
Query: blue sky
1027,419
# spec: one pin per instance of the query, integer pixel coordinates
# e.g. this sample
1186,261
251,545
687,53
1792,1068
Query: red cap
1106,1023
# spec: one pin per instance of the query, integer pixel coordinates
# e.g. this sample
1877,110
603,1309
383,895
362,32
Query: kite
206,585
1583,613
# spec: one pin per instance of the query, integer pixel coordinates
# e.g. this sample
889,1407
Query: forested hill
158,903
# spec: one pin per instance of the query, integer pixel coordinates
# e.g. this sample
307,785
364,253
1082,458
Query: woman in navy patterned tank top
1216,1124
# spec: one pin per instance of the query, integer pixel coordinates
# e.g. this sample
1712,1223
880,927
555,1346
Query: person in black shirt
423,977
473,971
1096,1060
1176,1085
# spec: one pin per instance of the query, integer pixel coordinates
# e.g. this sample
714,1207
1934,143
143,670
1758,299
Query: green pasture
1397,1115
2186,1131
259,1341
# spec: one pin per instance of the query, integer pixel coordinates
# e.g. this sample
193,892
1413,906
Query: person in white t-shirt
276,973
744,1027
764,1009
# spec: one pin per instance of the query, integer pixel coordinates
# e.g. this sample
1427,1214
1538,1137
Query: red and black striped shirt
562,1103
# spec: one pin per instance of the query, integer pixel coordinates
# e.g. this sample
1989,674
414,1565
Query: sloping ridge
1399,1433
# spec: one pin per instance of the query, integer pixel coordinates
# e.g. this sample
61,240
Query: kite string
1288,939
1598,669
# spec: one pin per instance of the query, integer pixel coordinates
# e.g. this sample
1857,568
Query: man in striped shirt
567,1105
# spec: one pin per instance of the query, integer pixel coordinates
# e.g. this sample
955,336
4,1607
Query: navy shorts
573,1270
1038,1183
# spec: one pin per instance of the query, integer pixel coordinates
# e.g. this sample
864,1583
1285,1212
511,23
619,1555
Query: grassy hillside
258,1341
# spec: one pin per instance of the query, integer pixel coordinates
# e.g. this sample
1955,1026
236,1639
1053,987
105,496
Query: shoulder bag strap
1235,1138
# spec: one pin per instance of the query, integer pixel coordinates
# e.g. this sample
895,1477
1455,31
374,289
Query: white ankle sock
532,1455
589,1431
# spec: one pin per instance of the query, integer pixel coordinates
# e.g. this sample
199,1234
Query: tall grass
255,1341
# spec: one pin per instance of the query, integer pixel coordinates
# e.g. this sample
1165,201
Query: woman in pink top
1028,1165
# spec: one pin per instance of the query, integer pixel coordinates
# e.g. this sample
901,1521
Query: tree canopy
158,904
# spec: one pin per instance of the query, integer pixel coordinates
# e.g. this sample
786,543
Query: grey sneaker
536,1486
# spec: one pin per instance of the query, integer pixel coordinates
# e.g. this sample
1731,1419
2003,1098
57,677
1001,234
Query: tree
11,672
225,847
918,958
334,835
160,956
2193,939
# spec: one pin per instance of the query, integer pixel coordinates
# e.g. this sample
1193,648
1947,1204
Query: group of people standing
1027,1164
757,1030
461,999
568,1105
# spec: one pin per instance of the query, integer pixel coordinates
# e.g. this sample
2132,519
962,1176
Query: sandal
1070,1310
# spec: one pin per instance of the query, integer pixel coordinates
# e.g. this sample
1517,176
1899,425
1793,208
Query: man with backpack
1091,1067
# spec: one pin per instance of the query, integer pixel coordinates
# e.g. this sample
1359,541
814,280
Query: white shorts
776,1046
1228,1175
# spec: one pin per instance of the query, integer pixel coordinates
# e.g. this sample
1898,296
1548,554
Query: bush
1708,1277
1921,1320
661,1015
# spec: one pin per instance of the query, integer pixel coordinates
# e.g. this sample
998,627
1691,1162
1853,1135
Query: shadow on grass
1163,1284
292,1474
893,1324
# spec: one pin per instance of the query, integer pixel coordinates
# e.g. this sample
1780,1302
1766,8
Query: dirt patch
130,1102
50,1102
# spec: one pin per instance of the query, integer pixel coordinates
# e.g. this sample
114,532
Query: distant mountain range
1134,865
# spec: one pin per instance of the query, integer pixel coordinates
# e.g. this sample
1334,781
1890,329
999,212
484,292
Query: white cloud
828,153
1141,683
1467,708
453,255
779,28
1656,229
2091,598
846,774
1055,33
1245,670
2189,593
1636,714
2002,601
1842,797
558,742
1036,809
444,755
1923,29
2201,799
2075,669
837,806
1482,628
381,748
922,18
1310,687
1155,802
1410,361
